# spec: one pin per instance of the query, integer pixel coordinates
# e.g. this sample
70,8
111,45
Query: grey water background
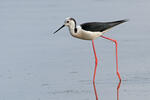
37,65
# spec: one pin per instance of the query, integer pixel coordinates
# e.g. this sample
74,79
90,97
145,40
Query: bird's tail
114,23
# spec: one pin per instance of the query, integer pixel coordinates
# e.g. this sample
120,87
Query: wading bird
91,31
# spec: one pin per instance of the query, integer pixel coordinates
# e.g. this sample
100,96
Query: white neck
72,29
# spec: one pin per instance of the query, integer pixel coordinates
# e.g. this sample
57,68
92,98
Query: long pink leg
95,62
115,41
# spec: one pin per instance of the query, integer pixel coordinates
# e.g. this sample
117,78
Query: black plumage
100,26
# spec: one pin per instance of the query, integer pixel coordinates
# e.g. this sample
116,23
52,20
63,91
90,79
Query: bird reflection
118,87
95,91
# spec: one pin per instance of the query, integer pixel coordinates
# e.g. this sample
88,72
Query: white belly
87,35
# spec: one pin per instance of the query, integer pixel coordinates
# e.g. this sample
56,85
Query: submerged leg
95,61
115,41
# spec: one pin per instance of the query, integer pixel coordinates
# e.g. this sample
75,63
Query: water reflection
95,91
118,87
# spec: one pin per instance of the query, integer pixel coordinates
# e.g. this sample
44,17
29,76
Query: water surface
37,65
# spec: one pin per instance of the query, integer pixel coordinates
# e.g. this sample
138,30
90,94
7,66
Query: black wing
100,26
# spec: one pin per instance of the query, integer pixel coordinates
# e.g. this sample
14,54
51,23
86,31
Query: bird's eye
67,21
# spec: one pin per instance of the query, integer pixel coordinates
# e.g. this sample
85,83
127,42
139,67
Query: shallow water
37,65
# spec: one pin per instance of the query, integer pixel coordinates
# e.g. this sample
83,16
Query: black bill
59,29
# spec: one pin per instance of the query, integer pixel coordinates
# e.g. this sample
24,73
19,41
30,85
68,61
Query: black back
100,26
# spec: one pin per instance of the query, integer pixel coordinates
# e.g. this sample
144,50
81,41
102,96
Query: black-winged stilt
91,31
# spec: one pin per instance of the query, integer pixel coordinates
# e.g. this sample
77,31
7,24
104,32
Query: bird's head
70,22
